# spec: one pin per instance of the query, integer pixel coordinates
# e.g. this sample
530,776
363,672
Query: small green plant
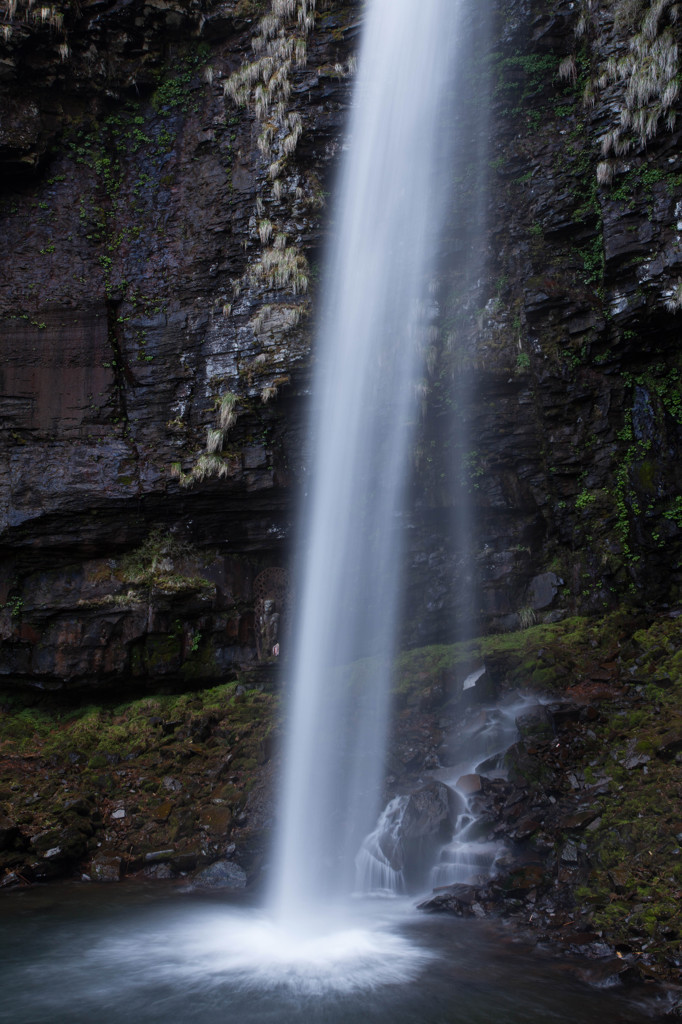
15,605
154,563
674,513
584,500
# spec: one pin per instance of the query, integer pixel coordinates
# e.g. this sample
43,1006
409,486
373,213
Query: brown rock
163,811
105,867
469,784
216,819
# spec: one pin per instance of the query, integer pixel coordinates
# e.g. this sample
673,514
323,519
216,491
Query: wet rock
163,811
535,725
12,880
45,870
562,712
452,899
620,877
106,867
569,854
608,970
159,856
543,589
428,810
216,819
670,744
482,827
525,768
185,861
60,845
525,828
635,761
522,879
469,784
185,825
79,805
159,871
222,874
579,820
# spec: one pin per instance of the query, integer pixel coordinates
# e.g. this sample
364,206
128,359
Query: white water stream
376,311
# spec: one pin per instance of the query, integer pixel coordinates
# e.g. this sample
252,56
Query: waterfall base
80,954
255,952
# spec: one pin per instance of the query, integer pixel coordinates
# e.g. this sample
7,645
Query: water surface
130,953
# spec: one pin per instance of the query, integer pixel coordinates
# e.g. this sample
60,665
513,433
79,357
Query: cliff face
155,340
166,169
570,462
579,332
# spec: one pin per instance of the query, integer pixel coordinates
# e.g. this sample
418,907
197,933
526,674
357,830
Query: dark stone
159,856
543,589
9,835
222,874
670,744
60,845
79,805
428,811
106,867
159,871
470,784
525,828
12,880
451,899
523,879
579,820
535,725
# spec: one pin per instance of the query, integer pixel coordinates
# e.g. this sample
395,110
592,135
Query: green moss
175,91
133,728
644,475
155,562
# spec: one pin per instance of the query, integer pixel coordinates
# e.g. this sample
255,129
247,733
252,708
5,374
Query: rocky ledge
181,786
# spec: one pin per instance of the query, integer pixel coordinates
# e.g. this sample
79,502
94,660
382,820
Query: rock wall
165,177
565,350
164,218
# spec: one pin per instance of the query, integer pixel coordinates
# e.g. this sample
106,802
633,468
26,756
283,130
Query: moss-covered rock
126,778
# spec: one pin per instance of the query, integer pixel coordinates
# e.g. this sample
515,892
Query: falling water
376,310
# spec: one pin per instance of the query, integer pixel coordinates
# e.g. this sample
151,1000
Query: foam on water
260,953
251,951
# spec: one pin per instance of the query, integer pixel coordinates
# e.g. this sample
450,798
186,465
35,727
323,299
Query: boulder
523,878
222,874
105,867
467,785
427,811
459,900
216,818
535,724
543,589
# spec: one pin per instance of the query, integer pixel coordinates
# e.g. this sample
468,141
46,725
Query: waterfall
376,311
